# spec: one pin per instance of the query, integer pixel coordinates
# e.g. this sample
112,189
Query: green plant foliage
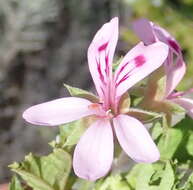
113,182
77,92
15,184
151,176
70,133
44,173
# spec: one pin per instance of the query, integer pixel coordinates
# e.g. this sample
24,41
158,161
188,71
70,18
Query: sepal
77,92
143,115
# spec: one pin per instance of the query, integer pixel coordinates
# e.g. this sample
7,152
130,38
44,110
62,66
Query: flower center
99,111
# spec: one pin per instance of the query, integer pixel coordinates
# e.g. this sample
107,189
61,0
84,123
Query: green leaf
46,172
168,178
70,133
82,184
143,180
33,181
114,182
156,130
15,184
77,92
184,150
169,143
136,178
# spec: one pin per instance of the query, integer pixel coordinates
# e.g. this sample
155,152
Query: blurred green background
43,43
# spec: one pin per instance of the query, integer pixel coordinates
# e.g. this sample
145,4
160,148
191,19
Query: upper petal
139,63
144,30
135,139
58,111
100,55
186,103
93,154
167,38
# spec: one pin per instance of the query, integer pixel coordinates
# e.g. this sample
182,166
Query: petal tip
150,158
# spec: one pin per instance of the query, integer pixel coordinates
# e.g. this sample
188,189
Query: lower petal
58,111
135,139
174,75
93,154
186,103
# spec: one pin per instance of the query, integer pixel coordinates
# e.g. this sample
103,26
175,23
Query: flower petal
58,111
135,139
149,33
186,103
139,63
175,73
175,69
93,154
144,30
100,55
167,38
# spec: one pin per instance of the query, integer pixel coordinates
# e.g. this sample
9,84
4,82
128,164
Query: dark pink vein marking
107,64
100,72
174,45
138,61
103,47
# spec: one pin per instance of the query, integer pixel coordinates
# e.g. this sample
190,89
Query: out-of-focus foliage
176,16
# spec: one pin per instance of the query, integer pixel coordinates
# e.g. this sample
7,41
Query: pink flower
175,67
93,154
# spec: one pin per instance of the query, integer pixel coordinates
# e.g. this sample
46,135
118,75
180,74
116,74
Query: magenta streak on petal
126,76
174,45
100,72
107,64
139,60
179,94
103,47
175,95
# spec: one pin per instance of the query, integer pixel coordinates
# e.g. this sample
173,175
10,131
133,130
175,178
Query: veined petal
167,38
175,67
144,30
135,139
186,103
100,55
175,73
139,63
58,111
149,32
93,154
